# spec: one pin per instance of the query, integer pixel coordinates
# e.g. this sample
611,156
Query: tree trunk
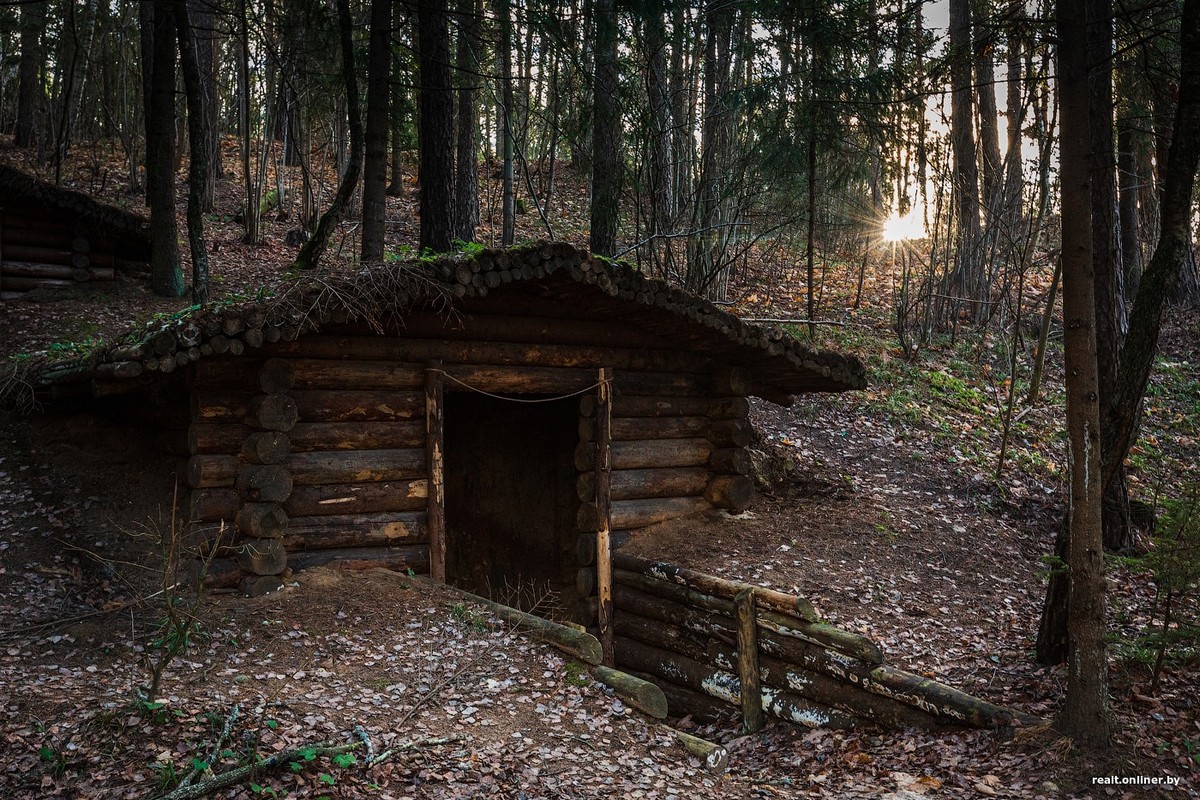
1014,180
309,256
654,40
968,270
989,125
1145,321
1127,174
437,127
504,118
251,209
396,181
166,279
205,33
606,133
1085,716
374,199
30,95
198,141
1106,249
466,178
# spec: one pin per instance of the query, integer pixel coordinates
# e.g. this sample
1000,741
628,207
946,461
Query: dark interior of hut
511,499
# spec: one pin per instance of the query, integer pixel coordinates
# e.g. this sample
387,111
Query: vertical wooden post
747,645
603,506
435,418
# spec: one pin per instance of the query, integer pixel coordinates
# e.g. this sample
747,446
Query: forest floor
883,506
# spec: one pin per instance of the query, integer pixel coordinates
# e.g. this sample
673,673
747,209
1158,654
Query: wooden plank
747,661
603,473
435,423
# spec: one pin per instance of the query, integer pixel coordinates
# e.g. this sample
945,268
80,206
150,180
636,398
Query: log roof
557,275
22,191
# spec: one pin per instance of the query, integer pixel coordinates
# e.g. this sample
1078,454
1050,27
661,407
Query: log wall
317,442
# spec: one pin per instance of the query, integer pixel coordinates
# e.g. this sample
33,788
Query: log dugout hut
503,422
55,238
482,419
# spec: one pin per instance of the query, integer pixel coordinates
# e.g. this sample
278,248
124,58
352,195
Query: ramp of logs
691,633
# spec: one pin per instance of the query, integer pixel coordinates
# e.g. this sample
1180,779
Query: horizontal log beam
320,373
647,454
630,514
357,498
485,349
634,428
354,530
411,557
660,407
356,466
633,484
209,406
702,583
310,436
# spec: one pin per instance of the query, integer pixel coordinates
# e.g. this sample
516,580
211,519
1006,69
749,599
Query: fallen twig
401,748
226,729
239,774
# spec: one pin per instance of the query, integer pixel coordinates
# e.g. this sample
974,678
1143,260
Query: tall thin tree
1085,715
606,133
310,253
374,194
166,278
436,142
197,116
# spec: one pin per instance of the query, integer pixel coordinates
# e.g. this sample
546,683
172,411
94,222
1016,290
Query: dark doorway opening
511,500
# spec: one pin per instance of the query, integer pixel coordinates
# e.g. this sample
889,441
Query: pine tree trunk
1127,175
205,33
198,141
968,270
1174,244
166,279
1014,178
437,127
504,125
374,198
661,181
30,97
396,181
1106,248
606,133
1085,715
986,111
466,179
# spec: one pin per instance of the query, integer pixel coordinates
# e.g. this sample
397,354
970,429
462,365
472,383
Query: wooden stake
435,419
747,647
603,510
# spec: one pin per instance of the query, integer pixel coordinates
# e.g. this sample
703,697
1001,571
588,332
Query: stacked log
48,252
279,455
682,627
